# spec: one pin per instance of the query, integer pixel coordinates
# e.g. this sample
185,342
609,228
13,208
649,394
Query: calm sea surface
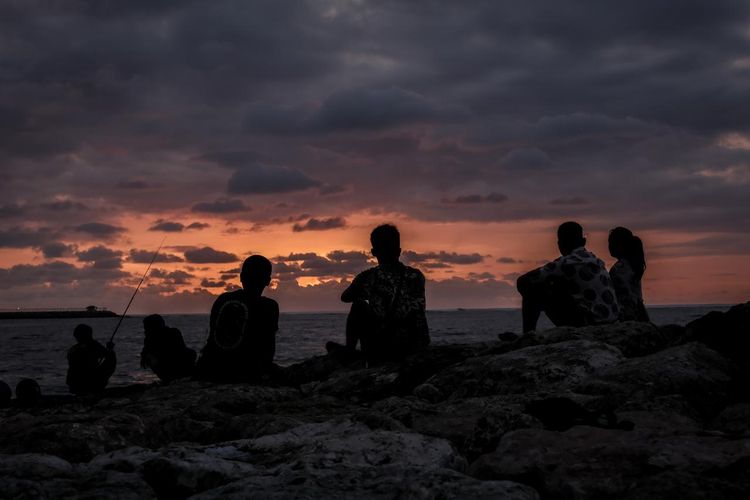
37,348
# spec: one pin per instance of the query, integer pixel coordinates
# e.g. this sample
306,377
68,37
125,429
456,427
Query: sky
292,128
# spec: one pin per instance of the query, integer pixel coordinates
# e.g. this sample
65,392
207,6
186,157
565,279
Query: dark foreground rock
622,411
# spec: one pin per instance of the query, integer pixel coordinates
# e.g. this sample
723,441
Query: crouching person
164,350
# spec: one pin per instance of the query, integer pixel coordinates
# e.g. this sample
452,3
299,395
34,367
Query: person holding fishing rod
90,364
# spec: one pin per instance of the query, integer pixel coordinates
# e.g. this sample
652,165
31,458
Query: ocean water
37,348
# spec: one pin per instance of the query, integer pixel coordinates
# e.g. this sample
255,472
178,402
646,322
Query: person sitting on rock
627,273
387,315
242,338
573,290
90,364
164,350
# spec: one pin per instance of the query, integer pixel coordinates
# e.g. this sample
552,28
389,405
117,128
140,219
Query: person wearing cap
242,337
573,290
164,350
90,364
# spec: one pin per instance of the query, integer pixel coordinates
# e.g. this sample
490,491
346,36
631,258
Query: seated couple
577,290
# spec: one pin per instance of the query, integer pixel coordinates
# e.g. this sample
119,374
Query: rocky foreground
624,411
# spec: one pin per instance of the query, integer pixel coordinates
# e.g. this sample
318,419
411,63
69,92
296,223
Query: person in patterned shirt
627,273
573,290
387,316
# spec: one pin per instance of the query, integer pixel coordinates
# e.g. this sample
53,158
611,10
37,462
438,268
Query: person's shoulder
268,302
413,273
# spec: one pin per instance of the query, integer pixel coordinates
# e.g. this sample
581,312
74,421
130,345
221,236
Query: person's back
164,350
243,325
627,273
90,364
573,290
388,303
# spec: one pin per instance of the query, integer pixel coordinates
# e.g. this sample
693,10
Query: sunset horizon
234,129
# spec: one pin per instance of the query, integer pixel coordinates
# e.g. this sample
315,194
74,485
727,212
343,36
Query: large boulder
727,332
542,368
586,462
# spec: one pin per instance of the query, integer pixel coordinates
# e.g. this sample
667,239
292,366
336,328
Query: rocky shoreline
623,411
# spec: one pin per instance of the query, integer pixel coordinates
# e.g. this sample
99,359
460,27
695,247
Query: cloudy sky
291,129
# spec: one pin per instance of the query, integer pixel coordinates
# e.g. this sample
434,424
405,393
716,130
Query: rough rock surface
621,411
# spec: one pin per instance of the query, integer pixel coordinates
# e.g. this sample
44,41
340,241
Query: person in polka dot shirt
573,290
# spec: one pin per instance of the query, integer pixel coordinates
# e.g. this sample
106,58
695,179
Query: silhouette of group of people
387,318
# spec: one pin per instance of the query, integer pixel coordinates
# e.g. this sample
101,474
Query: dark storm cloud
569,201
420,108
145,256
478,198
264,179
223,206
320,224
22,237
208,255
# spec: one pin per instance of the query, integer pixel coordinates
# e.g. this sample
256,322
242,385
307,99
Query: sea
36,348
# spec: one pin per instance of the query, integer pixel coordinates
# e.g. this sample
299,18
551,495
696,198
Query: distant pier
88,312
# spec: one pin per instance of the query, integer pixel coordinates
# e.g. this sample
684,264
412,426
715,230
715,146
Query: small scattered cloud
167,226
57,249
208,255
506,260
197,226
221,206
320,224
207,283
101,257
443,257
145,256
99,230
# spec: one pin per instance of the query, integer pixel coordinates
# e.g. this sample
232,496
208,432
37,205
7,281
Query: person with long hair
627,273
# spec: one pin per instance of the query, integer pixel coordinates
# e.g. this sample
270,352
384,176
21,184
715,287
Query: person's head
256,273
28,392
83,333
624,245
386,243
620,240
570,237
153,323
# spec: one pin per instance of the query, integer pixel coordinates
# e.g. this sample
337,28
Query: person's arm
422,330
268,348
353,291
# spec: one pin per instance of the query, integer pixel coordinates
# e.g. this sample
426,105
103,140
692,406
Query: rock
728,333
549,368
700,375
586,462
513,418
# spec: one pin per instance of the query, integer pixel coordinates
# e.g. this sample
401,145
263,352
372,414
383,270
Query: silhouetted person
164,350
28,392
573,290
90,364
242,338
387,315
627,273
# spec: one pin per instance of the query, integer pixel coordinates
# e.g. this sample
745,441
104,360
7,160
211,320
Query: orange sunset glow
230,131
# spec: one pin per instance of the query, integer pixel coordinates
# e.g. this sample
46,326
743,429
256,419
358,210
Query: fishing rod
153,259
